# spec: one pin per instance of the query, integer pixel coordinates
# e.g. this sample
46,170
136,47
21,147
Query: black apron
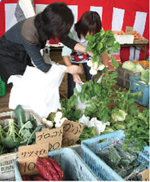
13,59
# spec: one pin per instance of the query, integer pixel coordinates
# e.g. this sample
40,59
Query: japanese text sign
71,132
53,137
145,175
28,156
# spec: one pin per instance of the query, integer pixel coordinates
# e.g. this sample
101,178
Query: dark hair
89,22
54,22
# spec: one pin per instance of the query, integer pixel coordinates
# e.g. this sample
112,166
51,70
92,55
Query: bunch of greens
135,126
98,96
68,108
27,129
102,42
137,129
88,132
19,131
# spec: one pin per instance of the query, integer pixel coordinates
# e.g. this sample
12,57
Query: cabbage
118,115
128,65
135,67
145,76
138,67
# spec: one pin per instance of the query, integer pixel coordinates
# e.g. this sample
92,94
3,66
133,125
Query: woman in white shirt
89,23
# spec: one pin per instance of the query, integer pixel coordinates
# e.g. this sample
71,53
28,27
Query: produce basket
72,165
124,75
137,86
144,156
99,167
2,88
6,160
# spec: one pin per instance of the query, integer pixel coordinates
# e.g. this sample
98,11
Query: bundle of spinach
102,42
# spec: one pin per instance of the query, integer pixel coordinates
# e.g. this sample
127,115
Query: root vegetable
38,178
57,167
26,178
42,169
51,168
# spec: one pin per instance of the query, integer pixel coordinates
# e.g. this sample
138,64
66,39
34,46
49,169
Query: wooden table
137,46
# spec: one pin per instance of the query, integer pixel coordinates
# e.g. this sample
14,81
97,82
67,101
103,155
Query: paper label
71,132
28,156
129,30
53,137
145,175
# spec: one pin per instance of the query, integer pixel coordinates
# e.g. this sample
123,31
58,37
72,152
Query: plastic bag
81,105
126,157
110,156
94,122
36,90
136,173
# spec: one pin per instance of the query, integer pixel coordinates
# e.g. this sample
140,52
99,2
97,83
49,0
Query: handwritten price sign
28,157
145,175
71,132
53,137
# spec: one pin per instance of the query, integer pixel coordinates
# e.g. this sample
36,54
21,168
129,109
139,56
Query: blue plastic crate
99,167
144,156
73,166
137,86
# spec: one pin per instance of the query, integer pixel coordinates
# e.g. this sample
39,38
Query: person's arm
105,59
72,44
73,69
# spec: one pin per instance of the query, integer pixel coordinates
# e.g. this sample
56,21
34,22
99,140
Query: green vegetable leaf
32,136
20,116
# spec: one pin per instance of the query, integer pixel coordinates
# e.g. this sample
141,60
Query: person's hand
77,79
90,54
74,69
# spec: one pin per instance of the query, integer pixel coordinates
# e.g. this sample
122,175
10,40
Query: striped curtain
115,15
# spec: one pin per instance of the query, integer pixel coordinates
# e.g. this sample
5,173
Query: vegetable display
108,104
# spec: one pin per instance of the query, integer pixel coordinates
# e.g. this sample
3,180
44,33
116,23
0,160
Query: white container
124,39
